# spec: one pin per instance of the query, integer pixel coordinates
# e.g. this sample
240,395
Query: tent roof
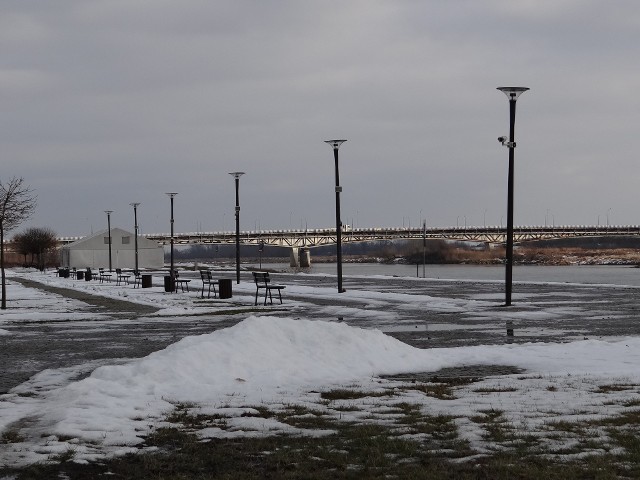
142,241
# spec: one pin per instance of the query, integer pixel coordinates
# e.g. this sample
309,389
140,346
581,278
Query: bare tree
17,203
35,241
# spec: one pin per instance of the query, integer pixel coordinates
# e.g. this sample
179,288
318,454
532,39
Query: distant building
93,251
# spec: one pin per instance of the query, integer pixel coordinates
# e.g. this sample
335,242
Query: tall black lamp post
135,224
236,176
172,272
512,94
336,145
109,212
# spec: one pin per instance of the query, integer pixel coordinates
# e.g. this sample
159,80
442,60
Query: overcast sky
108,102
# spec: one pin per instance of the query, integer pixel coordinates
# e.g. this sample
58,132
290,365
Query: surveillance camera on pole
503,141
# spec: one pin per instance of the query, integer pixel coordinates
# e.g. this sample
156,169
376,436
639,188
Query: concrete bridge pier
305,257
300,257
294,258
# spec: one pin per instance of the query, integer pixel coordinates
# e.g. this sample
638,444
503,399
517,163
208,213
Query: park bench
264,282
180,282
207,280
104,275
121,277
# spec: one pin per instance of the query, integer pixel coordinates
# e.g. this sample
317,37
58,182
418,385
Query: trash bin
87,275
169,284
225,288
64,273
146,281
80,275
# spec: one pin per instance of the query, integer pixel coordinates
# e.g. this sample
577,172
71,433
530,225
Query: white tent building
93,251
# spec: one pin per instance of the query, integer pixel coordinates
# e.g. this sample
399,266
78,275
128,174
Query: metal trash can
87,275
80,275
225,288
146,281
169,284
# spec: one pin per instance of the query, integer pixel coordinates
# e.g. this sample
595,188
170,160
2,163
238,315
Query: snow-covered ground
277,359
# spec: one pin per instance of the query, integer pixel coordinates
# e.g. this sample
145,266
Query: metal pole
135,220
109,212
336,145
236,176
338,222
172,273
424,248
172,279
237,181
512,94
509,264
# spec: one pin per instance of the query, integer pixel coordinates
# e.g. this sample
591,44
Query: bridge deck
310,238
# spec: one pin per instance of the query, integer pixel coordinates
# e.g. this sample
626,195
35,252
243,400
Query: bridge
300,241
309,238
316,237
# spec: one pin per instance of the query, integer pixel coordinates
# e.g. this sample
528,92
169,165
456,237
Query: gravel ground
541,312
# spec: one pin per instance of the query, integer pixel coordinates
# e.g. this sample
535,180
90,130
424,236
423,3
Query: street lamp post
172,273
424,247
336,145
236,176
512,94
135,220
109,212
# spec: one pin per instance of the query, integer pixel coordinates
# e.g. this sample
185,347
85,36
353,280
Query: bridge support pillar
305,257
294,258
300,258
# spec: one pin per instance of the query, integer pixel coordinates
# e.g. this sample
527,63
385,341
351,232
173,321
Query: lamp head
172,194
236,174
513,93
335,143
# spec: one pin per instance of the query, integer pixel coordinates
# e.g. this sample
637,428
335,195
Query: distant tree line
36,243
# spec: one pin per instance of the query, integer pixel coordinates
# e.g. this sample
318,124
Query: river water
580,274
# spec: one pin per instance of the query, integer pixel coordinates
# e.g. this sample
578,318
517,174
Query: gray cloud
106,103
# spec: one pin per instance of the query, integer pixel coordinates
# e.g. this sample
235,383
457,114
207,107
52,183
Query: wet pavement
424,313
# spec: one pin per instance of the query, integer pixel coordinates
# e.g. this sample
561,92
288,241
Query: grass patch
495,390
629,419
407,442
497,428
64,457
11,436
441,390
350,394
616,387
192,421
437,427
355,451
303,417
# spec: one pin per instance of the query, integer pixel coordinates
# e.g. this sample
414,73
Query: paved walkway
128,331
